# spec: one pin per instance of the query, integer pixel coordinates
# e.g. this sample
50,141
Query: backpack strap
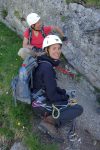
42,31
45,62
13,86
30,34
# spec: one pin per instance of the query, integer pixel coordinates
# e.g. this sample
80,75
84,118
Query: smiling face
54,51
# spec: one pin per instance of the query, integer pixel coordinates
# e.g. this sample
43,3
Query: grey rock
18,146
82,27
89,120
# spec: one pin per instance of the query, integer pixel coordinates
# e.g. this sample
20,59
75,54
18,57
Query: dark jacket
45,78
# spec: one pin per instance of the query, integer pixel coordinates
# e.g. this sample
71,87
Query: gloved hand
71,93
72,102
67,97
64,38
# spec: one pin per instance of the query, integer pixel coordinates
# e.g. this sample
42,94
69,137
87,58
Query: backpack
22,84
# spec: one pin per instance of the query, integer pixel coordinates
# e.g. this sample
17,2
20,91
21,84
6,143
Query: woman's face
38,25
54,51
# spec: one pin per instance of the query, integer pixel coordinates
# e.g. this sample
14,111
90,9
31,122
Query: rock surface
18,146
80,24
90,119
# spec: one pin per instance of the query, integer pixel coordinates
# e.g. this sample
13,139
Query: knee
23,52
80,109
20,51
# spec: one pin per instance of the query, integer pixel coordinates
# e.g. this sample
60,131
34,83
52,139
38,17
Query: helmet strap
33,27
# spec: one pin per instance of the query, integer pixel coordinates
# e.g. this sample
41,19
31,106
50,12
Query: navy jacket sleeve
51,85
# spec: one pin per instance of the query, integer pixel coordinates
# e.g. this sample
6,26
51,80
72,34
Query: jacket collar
48,59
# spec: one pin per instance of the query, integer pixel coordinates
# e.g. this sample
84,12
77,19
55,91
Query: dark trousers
70,113
67,114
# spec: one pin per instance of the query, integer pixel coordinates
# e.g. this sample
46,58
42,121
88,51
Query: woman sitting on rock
45,78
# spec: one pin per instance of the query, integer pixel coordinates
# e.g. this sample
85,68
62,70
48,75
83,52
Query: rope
65,71
55,112
54,109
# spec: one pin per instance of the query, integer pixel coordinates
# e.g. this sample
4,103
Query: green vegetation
78,76
4,13
93,2
98,100
15,122
17,14
33,143
69,1
86,2
97,92
63,18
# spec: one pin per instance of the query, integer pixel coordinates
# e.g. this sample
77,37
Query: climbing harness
55,109
55,112
40,101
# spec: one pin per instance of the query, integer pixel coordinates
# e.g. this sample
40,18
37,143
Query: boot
49,119
51,130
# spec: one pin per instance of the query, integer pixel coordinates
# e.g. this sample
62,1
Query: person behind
45,78
34,36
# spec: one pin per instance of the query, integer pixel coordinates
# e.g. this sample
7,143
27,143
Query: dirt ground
85,140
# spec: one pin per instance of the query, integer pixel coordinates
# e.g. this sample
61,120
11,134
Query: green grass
93,2
86,2
15,122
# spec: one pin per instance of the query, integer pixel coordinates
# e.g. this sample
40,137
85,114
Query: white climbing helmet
32,18
50,40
